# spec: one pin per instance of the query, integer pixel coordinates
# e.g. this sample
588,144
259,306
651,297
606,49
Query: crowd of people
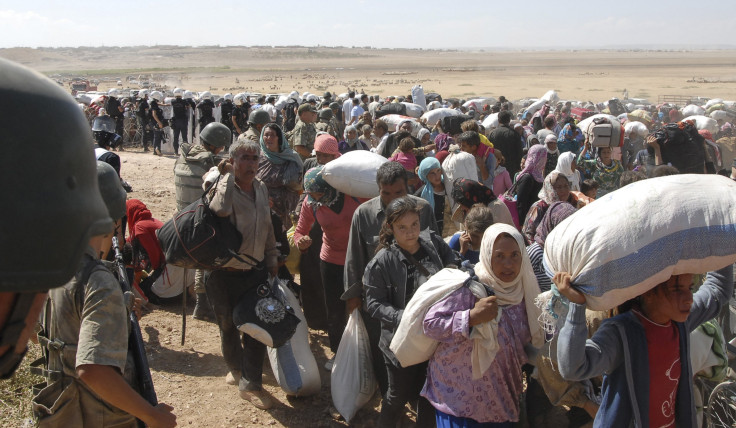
450,195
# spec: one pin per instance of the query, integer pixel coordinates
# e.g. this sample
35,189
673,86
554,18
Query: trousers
332,280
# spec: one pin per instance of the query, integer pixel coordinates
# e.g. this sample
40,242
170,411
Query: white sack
720,115
478,103
712,102
172,281
413,110
417,95
434,105
491,122
692,110
393,120
551,96
637,127
293,363
432,117
704,122
632,239
352,380
354,173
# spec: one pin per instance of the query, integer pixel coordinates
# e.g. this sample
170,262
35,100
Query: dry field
580,75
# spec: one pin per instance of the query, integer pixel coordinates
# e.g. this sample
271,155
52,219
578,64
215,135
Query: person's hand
304,243
353,303
429,147
652,141
137,306
485,309
161,417
464,242
225,166
562,281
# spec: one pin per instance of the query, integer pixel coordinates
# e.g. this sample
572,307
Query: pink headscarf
326,143
535,160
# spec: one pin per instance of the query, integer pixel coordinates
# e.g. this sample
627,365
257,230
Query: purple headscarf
556,212
535,161
443,141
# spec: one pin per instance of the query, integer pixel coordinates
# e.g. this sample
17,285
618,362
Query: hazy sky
378,23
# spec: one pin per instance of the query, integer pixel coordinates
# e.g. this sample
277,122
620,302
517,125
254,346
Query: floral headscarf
556,212
314,182
548,193
470,192
535,160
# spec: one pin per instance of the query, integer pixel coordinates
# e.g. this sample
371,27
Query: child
405,155
468,242
501,178
589,188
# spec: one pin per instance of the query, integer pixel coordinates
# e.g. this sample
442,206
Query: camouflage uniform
326,126
303,134
339,127
87,323
252,134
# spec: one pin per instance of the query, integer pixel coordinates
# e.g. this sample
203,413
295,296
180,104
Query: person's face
467,148
592,193
425,140
406,230
573,167
523,161
245,166
562,188
366,117
552,145
271,138
605,154
324,158
506,259
475,239
519,130
434,176
674,298
317,196
367,133
406,126
389,192
352,134
380,132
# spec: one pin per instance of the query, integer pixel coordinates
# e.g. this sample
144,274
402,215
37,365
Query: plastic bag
353,380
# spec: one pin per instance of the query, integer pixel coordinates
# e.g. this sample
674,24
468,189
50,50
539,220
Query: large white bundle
637,127
354,173
551,96
692,110
432,117
281,103
172,281
535,106
293,363
352,381
704,122
491,121
393,120
413,110
417,95
637,237
478,103
434,105
409,343
720,115
458,165
714,101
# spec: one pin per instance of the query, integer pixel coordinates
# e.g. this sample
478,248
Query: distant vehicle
81,86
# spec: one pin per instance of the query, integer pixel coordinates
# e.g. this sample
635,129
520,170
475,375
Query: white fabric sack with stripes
627,242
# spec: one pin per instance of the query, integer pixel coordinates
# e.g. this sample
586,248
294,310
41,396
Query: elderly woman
604,169
352,141
555,188
280,169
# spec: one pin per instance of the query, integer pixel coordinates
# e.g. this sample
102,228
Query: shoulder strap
423,270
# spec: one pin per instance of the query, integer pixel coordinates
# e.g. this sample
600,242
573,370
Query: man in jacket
505,139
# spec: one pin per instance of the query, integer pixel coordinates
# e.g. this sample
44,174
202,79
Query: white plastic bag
354,173
353,380
293,363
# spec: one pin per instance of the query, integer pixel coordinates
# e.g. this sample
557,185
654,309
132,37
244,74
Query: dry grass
15,393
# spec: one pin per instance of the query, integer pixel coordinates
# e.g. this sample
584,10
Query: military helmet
178,92
111,190
56,204
327,95
114,92
216,134
259,117
326,114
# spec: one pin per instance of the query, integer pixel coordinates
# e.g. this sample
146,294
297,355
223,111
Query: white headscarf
564,167
523,288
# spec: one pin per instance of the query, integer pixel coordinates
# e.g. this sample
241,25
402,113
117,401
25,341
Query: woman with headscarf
550,141
529,182
566,166
351,141
604,169
442,140
146,249
554,215
433,190
280,169
334,211
531,140
466,193
482,339
555,188
568,139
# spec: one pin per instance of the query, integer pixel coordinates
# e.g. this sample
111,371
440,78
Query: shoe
202,309
329,364
145,149
233,377
260,399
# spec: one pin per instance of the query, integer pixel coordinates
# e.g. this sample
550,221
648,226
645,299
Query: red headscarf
142,227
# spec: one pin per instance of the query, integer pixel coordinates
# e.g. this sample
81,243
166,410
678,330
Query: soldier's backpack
290,114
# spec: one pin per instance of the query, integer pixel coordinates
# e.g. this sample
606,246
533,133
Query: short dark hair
469,137
351,94
588,184
356,101
406,144
389,173
664,170
549,121
628,177
478,219
380,124
504,117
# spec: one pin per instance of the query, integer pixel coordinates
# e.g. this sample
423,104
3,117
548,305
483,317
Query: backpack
226,109
290,114
615,106
682,146
600,133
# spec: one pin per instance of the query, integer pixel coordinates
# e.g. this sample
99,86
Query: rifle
135,340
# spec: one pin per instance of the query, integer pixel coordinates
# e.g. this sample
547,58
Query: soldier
115,110
256,121
205,107
180,121
70,188
325,122
86,348
303,135
226,112
189,99
157,120
337,124
240,112
190,167
141,113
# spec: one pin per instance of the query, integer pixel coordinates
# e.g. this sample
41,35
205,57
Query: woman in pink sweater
334,211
